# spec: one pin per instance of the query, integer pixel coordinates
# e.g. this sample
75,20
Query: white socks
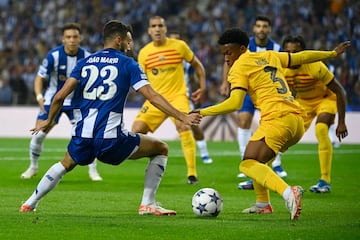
36,147
201,144
92,166
277,160
51,178
332,133
262,204
153,175
244,136
286,193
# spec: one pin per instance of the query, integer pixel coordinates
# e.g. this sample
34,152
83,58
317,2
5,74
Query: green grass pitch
81,209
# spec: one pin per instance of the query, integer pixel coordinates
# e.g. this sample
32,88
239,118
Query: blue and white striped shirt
271,45
56,67
99,99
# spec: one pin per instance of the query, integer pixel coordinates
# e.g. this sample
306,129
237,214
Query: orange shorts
153,117
280,133
314,107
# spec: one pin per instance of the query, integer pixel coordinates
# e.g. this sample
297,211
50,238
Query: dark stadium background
28,29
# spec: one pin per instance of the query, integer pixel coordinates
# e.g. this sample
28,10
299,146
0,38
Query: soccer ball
207,202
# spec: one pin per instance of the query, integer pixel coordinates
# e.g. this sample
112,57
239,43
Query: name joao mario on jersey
102,60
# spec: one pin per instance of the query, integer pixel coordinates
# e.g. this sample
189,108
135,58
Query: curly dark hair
294,39
234,35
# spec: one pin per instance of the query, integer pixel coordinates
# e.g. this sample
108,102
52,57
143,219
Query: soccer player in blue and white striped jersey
55,69
101,83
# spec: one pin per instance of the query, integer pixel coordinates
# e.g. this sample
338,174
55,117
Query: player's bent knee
38,138
163,148
245,165
68,162
321,129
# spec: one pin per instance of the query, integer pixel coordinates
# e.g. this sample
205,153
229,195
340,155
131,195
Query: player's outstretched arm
231,104
341,48
309,56
161,103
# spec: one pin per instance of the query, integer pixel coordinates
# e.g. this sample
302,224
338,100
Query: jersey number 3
273,77
108,74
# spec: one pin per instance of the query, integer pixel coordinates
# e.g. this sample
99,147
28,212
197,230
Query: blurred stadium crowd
29,28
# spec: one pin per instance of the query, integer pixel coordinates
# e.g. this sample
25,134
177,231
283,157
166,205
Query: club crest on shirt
45,63
161,58
155,71
62,77
262,62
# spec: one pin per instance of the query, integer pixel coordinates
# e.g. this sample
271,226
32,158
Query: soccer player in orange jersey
162,61
261,74
192,83
317,90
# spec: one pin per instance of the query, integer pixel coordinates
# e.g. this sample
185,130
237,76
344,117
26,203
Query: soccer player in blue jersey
55,69
101,83
258,43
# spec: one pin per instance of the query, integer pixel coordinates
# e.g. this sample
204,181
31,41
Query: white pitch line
172,153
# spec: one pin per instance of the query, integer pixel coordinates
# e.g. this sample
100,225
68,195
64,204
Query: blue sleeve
75,73
137,75
191,70
47,65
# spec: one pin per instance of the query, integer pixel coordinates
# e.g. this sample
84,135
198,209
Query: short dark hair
114,27
130,29
263,18
157,17
68,26
234,35
294,39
